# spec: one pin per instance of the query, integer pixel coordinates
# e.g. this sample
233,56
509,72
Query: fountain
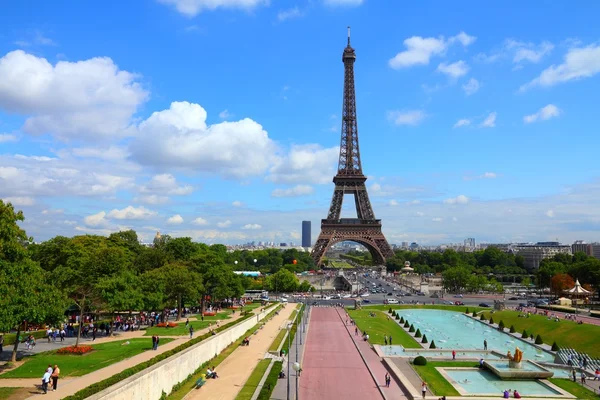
517,368
515,361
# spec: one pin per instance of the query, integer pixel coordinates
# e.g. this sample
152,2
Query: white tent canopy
578,289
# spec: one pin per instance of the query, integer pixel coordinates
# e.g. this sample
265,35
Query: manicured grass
583,338
271,381
182,330
436,382
277,341
340,264
574,388
7,391
104,354
253,381
378,326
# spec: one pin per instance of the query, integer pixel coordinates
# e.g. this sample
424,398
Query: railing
351,221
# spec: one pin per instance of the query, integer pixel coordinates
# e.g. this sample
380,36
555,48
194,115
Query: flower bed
79,350
166,324
210,313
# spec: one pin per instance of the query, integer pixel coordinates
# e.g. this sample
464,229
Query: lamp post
296,364
288,360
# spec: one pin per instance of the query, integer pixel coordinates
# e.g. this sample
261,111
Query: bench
200,382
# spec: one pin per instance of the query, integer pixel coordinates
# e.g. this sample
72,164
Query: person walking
390,340
454,354
385,340
191,331
485,344
1,342
55,375
157,342
355,331
583,378
45,380
153,342
388,379
424,389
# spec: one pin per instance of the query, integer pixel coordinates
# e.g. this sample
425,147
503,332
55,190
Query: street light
297,364
288,360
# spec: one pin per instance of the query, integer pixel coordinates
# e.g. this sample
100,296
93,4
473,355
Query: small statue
518,355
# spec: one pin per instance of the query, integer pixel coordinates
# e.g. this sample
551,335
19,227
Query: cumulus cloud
298,190
529,51
454,70
305,164
200,221
237,203
6,137
191,8
579,63
86,100
152,199
290,13
393,203
96,219
406,117
180,138
224,224
175,220
166,184
545,113
131,212
420,50
489,121
462,122
471,87
252,226
19,201
460,199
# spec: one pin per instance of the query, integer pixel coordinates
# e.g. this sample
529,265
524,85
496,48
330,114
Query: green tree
283,281
455,279
179,283
120,292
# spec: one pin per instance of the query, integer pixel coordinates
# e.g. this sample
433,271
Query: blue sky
220,119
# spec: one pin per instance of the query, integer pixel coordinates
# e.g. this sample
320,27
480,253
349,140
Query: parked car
392,301
459,296
390,294
459,303
513,298
366,301
484,305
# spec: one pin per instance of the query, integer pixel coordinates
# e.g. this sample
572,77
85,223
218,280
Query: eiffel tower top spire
349,161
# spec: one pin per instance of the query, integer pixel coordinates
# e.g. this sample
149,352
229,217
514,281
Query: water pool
397,350
525,366
485,383
453,330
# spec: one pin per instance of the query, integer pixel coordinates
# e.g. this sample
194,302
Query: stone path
71,385
235,370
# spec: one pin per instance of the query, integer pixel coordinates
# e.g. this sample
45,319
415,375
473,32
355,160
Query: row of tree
568,268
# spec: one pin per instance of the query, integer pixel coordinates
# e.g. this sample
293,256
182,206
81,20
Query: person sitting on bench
246,342
211,373
281,375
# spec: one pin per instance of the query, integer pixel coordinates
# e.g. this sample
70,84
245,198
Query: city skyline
222,123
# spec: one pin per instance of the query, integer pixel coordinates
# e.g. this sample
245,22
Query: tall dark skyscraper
306,234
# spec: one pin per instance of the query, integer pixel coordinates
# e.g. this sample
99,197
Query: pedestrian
55,375
45,380
424,389
484,344
157,342
390,340
187,322
583,378
191,331
454,354
153,342
388,379
94,329
1,342
574,375
355,331
385,340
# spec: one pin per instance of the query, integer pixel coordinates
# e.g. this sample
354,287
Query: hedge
9,338
512,329
401,320
390,310
424,339
501,325
420,360
555,347
491,320
418,334
432,345
113,380
525,334
406,324
412,328
467,310
482,317
538,340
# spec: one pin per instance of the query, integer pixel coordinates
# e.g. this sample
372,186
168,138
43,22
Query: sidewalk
235,370
71,385
280,391
373,362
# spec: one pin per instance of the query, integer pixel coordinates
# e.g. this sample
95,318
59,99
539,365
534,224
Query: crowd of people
50,375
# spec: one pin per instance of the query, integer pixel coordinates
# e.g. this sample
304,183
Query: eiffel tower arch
365,229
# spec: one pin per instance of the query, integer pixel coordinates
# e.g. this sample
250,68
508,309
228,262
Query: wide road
333,368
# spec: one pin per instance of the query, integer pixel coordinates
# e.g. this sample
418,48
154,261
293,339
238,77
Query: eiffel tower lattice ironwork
365,229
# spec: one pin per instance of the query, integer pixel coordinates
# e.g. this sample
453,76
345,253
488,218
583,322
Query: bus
257,294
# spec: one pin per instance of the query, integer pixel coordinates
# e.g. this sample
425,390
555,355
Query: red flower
75,350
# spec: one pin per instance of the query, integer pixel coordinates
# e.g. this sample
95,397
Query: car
484,305
390,294
459,303
513,298
447,302
399,295
366,301
364,295
522,304
459,296
420,294
392,301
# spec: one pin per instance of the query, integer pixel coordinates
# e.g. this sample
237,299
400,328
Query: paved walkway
235,370
373,361
72,385
333,368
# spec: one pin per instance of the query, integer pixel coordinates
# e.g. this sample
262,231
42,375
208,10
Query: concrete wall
151,382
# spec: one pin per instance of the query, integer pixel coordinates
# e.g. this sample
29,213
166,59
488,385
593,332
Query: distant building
580,245
306,242
533,254
595,250
405,245
470,242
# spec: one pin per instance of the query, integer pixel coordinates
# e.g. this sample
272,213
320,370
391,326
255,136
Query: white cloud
454,70
224,224
152,199
489,121
420,214
471,87
343,2
289,14
237,203
225,114
252,226
179,138
175,220
437,219
489,175
393,203
460,199
419,50
545,113
200,221
131,212
96,219
550,214
529,51
111,153
462,122
191,8
305,164
166,184
85,100
579,63
6,137
414,202
298,190
20,201
406,117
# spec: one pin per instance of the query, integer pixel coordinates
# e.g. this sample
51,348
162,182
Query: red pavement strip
332,368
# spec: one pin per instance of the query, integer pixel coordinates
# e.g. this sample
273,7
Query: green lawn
271,381
379,326
574,388
104,354
253,381
7,391
182,330
277,341
583,338
436,382
340,264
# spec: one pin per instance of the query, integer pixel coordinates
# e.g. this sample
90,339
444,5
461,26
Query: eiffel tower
365,229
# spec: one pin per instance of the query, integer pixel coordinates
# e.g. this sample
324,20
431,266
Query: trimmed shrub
406,324
525,334
412,328
531,336
432,345
482,317
397,316
467,310
491,320
401,320
390,310
424,339
418,334
555,347
474,313
420,360
501,325
512,329
538,340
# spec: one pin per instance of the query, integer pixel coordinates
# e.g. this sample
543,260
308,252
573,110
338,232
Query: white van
392,301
